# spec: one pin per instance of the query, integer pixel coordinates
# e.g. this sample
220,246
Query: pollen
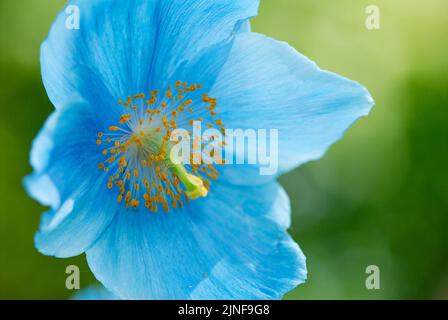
139,168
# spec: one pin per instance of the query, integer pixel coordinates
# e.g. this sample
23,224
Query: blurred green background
379,197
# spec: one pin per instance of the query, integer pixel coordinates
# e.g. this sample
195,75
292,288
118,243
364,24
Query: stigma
137,159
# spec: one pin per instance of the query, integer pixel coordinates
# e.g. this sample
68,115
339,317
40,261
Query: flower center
137,149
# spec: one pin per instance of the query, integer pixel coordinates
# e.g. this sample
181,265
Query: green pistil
194,185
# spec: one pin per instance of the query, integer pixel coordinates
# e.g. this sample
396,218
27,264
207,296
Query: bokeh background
379,197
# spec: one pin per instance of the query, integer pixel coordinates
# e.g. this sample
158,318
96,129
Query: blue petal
266,84
243,26
261,83
132,45
231,245
60,153
187,27
94,292
65,158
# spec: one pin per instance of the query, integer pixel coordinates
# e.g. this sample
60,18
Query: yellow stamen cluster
137,149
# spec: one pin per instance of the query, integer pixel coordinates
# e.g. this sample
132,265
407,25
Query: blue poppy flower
133,71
